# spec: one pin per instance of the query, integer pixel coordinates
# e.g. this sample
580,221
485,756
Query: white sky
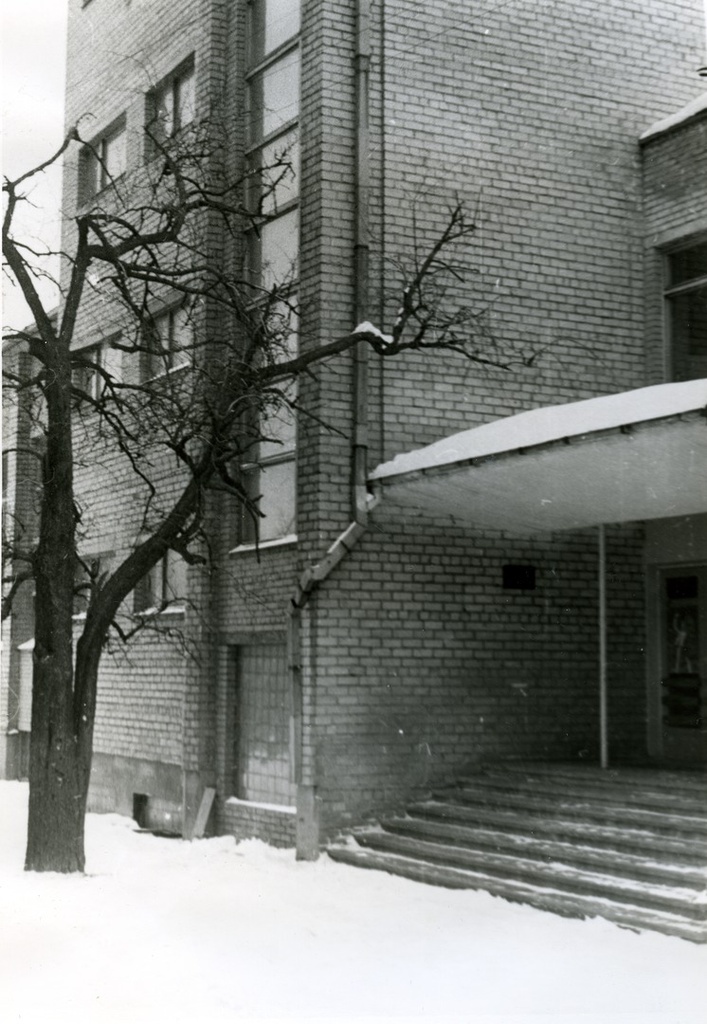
33,48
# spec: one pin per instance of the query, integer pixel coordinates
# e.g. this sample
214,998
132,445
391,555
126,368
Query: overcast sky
33,61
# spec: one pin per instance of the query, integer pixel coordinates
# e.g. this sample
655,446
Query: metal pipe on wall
603,715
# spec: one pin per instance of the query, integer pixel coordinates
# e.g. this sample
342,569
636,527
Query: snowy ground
210,931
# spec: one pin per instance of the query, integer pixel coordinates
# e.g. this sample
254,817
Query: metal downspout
307,837
603,715
362,189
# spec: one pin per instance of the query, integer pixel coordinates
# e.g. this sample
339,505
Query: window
92,366
273,250
270,24
268,472
88,570
262,714
273,95
686,309
270,479
164,587
171,342
272,242
103,161
5,494
171,105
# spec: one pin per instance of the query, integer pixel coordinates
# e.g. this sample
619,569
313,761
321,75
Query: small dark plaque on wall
519,577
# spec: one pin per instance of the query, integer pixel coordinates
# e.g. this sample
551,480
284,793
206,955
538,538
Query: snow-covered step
542,897
659,867
672,782
613,836
674,898
628,794
603,809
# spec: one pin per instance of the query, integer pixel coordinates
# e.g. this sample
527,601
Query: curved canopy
617,458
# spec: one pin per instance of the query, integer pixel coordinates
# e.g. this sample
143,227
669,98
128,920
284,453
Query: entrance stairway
627,844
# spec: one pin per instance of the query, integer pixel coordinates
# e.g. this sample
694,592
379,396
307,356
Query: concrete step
642,841
614,788
542,897
660,867
627,845
673,898
585,808
691,783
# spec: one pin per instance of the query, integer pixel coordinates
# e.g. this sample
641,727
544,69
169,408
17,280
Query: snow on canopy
691,109
552,423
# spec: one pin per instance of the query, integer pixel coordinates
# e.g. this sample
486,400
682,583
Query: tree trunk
60,763
57,782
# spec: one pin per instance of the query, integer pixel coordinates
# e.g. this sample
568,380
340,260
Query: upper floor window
103,161
270,24
686,309
164,587
5,492
171,106
268,468
273,97
92,369
171,342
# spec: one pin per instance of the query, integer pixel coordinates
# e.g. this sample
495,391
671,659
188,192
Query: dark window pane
687,264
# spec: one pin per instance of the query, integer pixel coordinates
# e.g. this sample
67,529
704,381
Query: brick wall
425,663
535,114
251,821
533,117
414,660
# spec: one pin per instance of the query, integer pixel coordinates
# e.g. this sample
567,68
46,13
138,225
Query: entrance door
683,636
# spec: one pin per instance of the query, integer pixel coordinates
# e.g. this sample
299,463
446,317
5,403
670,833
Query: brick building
517,594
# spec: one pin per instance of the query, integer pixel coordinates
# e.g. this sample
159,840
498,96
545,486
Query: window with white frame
271,23
273,158
686,311
268,469
163,588
103,161
171,106
261,723
5,494
171,342
89,569
94,367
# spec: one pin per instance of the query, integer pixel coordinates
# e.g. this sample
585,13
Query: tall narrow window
94,367
103,161
271,23
171,342
261,727
268,470
164,588
686,308
170,107
273,160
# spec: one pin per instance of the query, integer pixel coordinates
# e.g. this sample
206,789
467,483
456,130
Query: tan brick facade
411,660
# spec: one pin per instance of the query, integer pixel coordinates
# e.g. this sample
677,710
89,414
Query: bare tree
202,405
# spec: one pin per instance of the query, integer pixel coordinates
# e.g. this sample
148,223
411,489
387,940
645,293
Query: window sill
175,611
234,801
276,542
169,372
86,203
